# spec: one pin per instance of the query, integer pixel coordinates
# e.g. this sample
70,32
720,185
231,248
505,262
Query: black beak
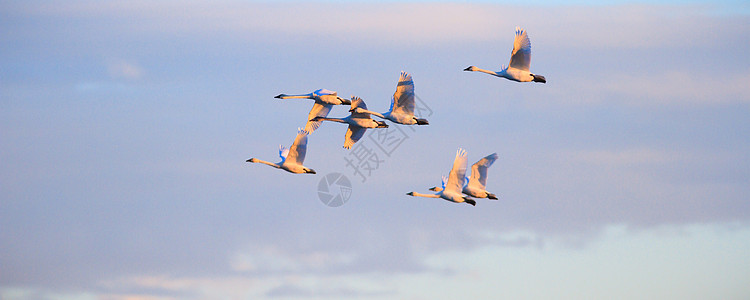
345,102
279,96
467,69
539,78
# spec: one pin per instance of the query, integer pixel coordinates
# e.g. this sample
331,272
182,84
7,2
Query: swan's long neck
329,119
487,71
303,96
255,160
415,194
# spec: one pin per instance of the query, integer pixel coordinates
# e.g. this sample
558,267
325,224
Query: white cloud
123,69
274,259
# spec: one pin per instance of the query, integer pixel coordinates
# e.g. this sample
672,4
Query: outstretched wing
318,110
456,177
520,57
323,92
299,148
283,152
403,98
479,171
353,134
357,102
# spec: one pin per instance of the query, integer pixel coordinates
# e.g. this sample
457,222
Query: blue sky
124,127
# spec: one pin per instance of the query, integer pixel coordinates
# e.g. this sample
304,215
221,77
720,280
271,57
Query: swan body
520,60
292,157
476,184
402,104
324,100
358,122
454,183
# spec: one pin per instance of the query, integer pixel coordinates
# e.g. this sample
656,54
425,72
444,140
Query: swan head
279,96
539,78
251,160
434,189
491,196
471,68
410,193
345,101
470,201
422,121
381,124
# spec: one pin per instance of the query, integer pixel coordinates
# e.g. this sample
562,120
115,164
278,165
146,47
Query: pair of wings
520,57
318,110
403,98
295,153
478,177
355,133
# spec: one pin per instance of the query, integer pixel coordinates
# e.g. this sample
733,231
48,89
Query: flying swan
456,179
402,104
291,158
520,59
358,122
324,100
476,185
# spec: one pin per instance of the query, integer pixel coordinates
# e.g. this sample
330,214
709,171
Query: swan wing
299,148
479,171
357,102
353,134
444,181
283,152
403,98
323,92
456,177
318,110
520,57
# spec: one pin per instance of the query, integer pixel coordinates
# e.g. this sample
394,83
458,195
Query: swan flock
457,187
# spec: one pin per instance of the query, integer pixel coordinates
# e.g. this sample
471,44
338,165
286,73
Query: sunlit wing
353,134
299,148
318,110
479,171
357,102
403,98
456,177
520,57
323,92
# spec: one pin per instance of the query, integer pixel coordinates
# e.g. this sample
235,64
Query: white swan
476,184
520,59
454,184
402,104
324,100
358,122
293,157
